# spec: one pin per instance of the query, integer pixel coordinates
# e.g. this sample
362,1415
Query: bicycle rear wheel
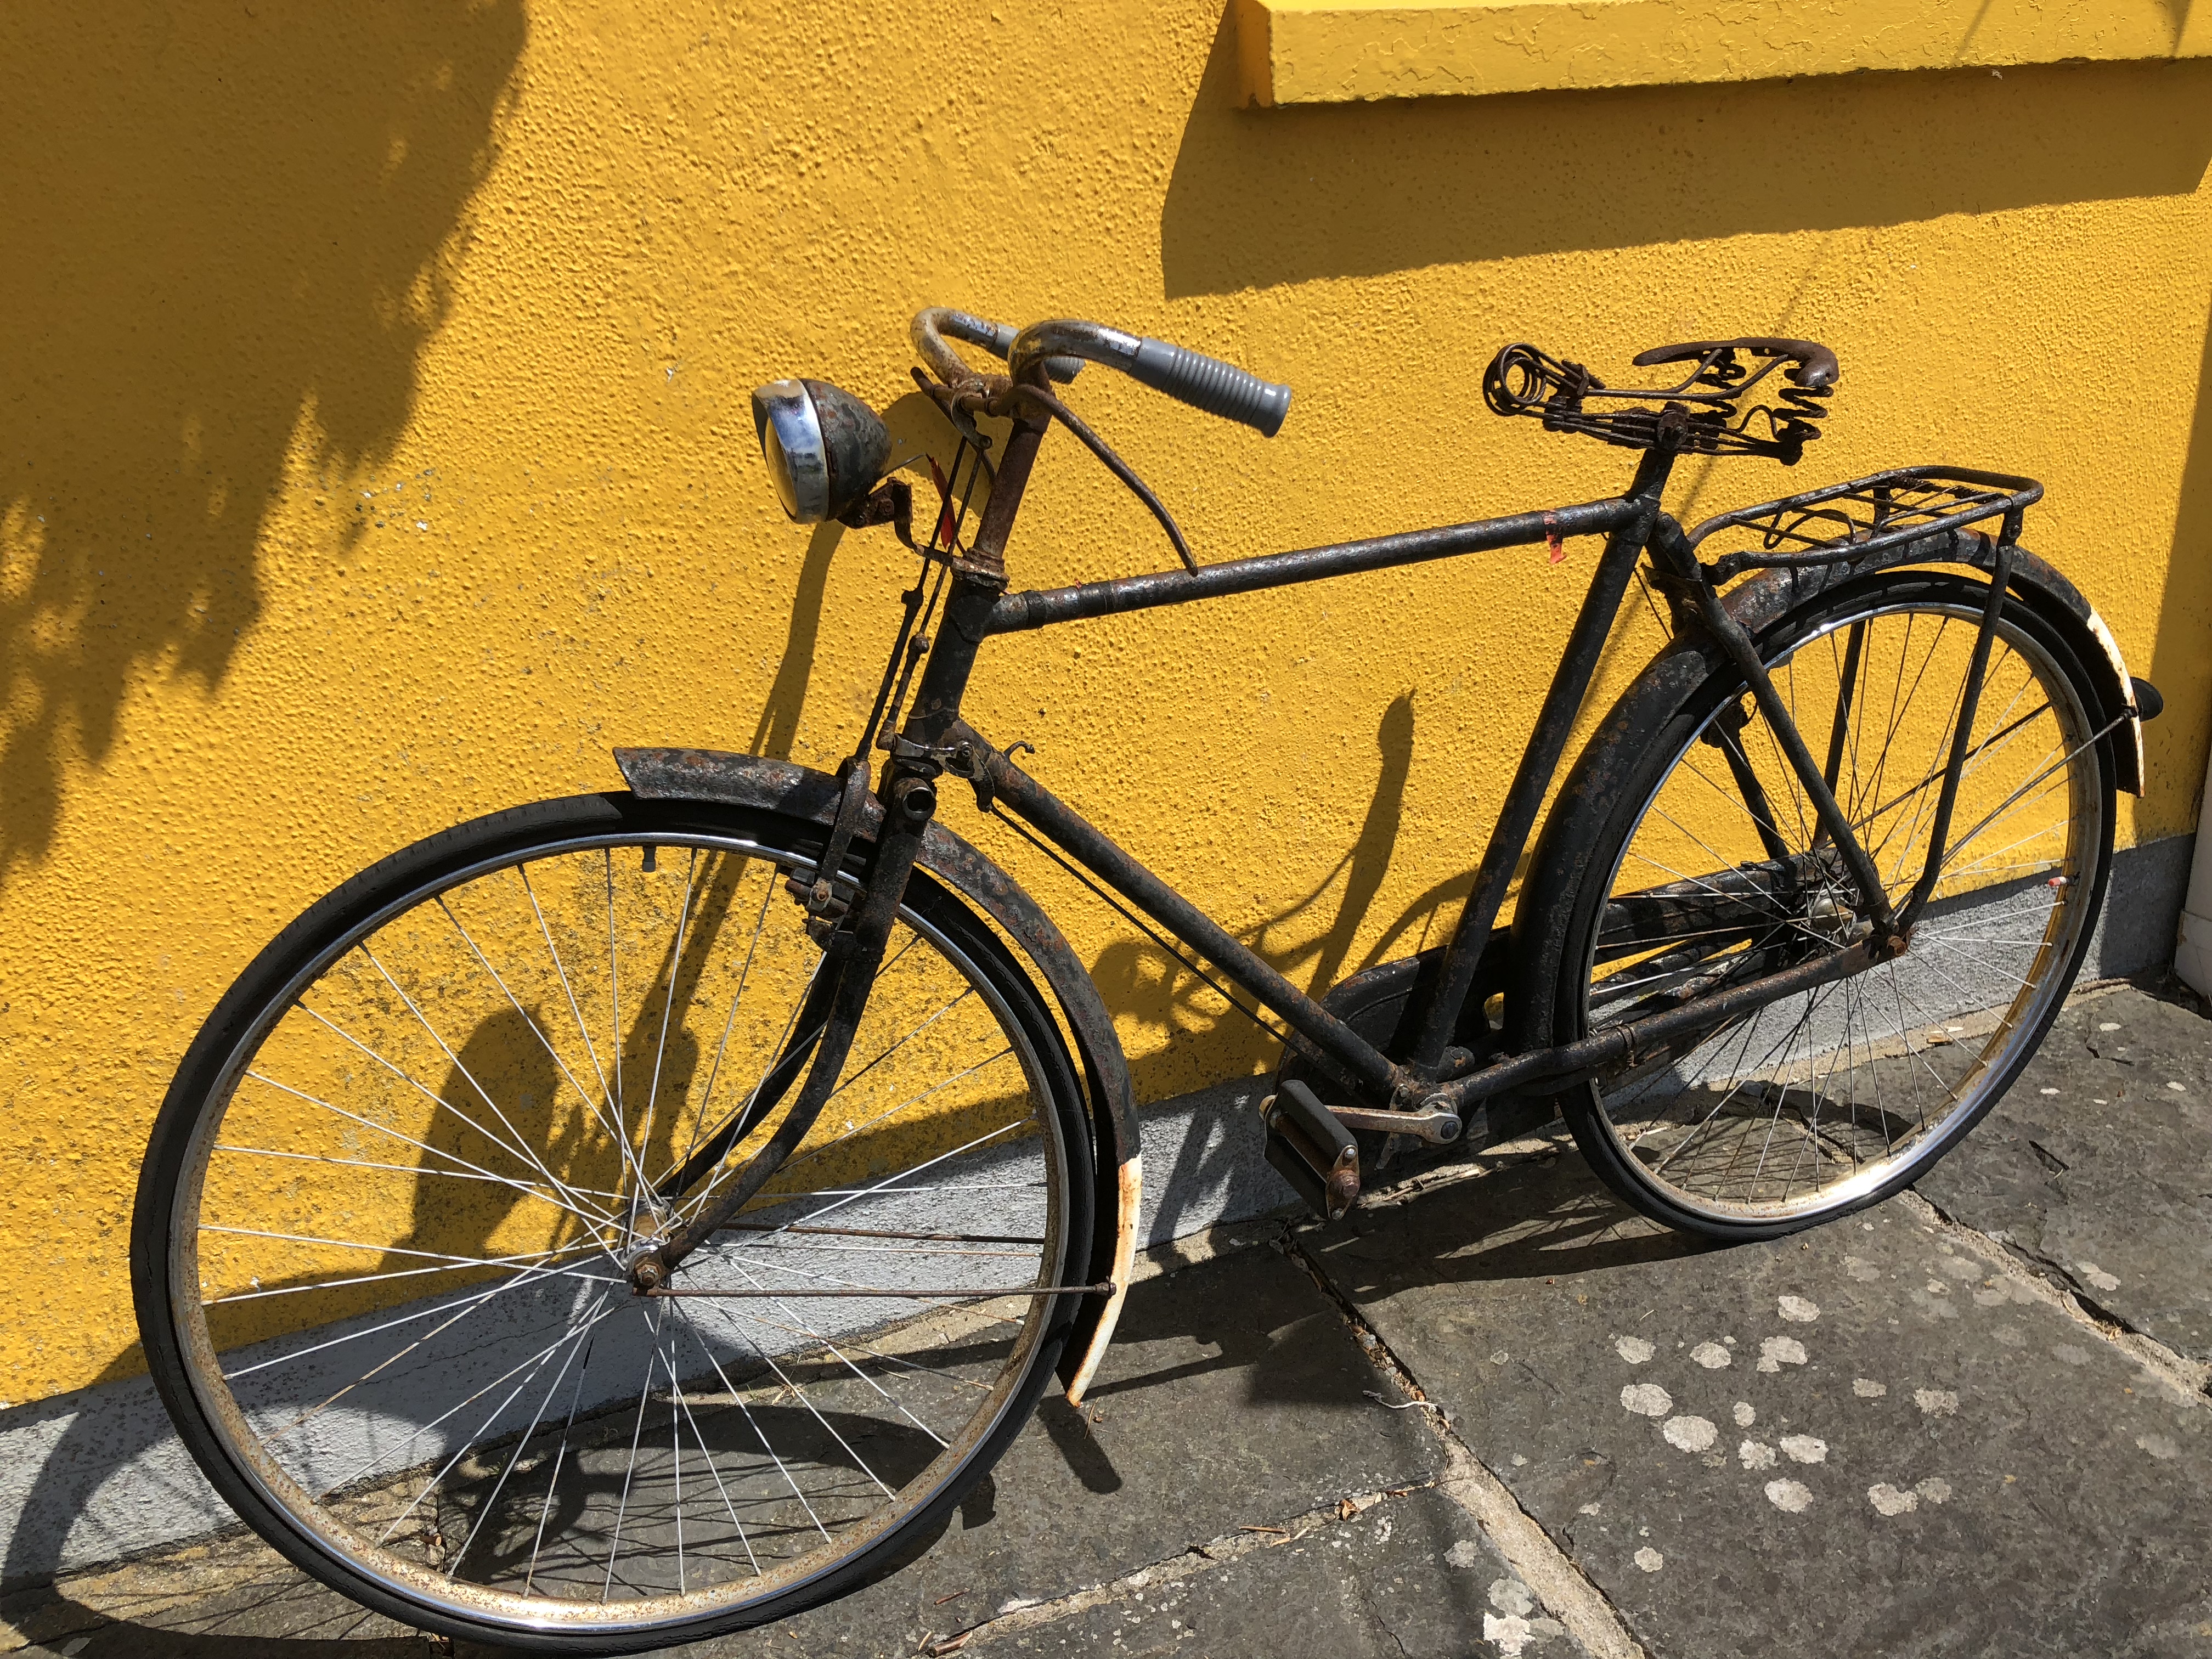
1703,866
383,1233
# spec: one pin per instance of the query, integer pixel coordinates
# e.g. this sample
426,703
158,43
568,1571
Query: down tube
1364,1064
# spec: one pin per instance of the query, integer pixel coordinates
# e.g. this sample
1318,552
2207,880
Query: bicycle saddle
1811,365
1698,415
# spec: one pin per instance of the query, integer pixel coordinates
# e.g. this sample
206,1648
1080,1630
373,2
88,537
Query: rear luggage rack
1867,516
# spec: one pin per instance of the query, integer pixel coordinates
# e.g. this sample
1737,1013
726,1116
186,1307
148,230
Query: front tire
382,1235
1664,879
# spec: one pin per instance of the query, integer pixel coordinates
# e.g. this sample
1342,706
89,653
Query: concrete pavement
1973,1421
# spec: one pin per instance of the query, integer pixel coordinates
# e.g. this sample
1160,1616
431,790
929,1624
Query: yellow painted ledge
1330,51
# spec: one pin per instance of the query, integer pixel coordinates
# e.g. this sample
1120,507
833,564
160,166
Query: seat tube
1541,759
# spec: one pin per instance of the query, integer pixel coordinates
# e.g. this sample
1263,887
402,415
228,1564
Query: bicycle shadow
1529,1212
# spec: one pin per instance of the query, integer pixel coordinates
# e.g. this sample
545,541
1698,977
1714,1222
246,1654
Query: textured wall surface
373,450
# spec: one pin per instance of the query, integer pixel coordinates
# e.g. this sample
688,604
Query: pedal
1311,1150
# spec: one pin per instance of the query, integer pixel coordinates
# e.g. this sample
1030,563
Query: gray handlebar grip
999,340
1209,384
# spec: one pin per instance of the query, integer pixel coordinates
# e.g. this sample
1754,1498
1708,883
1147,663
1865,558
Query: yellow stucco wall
374,448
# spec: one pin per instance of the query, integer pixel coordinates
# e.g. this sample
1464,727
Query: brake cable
994,396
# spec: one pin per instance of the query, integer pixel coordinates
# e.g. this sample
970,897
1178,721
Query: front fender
779,786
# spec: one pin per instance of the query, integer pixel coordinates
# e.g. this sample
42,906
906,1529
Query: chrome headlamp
824,447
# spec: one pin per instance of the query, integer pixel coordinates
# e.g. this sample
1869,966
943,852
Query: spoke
912,1100
521,1150
644,1398
667,1010
534,1364
384,1249
560,1460
708,1456
395,1169
751,1422
894,1405
884,1185
540,1257
729,1022
469,1299
583,1029
536,1031
805,1400
614,1025
521,1445
558,1196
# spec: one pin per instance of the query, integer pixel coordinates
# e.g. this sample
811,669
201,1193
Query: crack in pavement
1571,1597
1197,1558
2188,1380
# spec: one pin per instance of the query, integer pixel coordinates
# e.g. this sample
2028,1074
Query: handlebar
1205,383
932,325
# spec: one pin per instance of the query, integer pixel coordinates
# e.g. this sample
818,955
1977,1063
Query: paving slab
1408,1578
2098,1165
1236,1395
1866,1439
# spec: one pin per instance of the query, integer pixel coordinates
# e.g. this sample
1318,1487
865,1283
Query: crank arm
1438,1128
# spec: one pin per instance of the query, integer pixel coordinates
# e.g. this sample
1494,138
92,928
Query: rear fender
779,786
1769,594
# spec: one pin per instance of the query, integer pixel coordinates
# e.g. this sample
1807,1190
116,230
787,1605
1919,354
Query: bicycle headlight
824,447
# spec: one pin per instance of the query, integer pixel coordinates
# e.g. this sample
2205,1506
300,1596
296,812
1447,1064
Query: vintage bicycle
632,1217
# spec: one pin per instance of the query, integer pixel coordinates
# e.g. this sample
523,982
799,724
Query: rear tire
1657,880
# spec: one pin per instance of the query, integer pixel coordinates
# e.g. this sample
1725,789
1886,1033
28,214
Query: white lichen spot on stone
1799,1311
1510,1633
1711,1355
1649,1560
2108,1025
2158,1445
1804,1449
1934,1489
2179,1088
1755,1455
1692,1434
1634,1349
2046,1091
1646,1399
1465,1554
1510,1594
1890,1501
2069,1354
1745,1417
1994,1296
1776,1351
1859,1268
1794,1496
2097,1277
1936,1402
1867,1389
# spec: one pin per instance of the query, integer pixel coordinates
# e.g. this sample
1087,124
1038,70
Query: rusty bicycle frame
932,740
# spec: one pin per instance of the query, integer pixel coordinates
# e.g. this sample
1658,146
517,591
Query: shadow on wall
1260,197
230,234
1138,979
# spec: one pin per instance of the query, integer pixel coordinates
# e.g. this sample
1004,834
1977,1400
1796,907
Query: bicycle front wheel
1704,866
383,1234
